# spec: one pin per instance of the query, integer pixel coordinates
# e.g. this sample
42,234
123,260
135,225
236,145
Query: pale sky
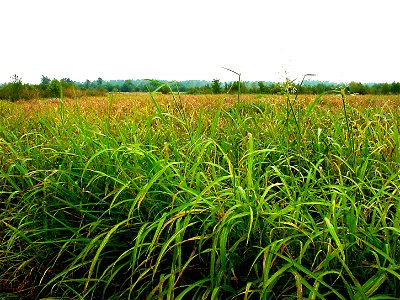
337,40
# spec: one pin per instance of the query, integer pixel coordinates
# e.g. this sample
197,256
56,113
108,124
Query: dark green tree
109,87
54,88
165,90
44,80
67,80
357,88
216,86
261,87
385,88
127,86
87,83
235,86
16,88
395,88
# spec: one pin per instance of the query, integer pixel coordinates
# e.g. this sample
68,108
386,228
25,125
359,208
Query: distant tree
244,87
395,88
274,88
357,88
99,81
235,86
261,87
165,89
16,79
87,83
150,85
253,88
179,87
67,80
385,88
127,86
226,87
109,86
319,88
16,87
54,88
216,86
44,80
374,89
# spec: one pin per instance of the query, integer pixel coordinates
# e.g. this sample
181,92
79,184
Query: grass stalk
239,75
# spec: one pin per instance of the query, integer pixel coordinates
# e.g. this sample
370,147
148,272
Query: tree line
54,88
307,87
48,88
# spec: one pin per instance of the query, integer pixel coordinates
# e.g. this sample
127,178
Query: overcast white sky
340,40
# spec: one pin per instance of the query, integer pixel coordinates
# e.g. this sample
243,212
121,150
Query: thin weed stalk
350,136
239,75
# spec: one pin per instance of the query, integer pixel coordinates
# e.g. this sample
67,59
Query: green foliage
54,89
252,201
395,88
357,88
127,86
45,80
16,90
216,86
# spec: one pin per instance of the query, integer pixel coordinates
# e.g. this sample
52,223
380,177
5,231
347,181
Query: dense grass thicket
200,197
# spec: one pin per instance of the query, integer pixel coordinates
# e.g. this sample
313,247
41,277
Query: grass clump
114,199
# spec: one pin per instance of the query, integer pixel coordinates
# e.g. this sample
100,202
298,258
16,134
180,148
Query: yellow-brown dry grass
125,105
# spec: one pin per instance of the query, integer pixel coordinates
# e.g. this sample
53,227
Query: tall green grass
223,203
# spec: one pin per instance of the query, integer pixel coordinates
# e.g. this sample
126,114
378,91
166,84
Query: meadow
151,196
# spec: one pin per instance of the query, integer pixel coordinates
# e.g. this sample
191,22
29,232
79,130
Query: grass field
150,196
